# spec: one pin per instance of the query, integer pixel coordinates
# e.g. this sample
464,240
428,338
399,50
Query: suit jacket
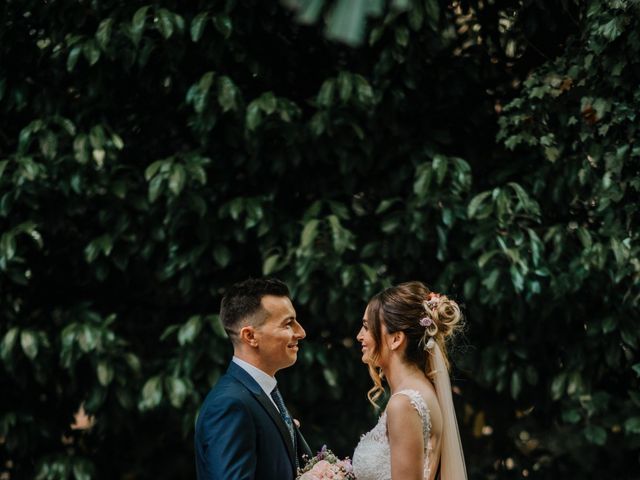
240,434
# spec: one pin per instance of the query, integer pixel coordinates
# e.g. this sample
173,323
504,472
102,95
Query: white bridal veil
452,466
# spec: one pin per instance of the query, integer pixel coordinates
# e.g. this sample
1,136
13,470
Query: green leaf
7,246
137,23
440,166
344,86
571,416
270,264
486,256
254,116
72,59
29,343
423,180
308,11
103,34
432,9
165,23
105,373
91,52
558,386
216,325
86,338
401,5
391,223
3,166
609,324
8,342
309,233
585,237
177,390
330,376
325,95
177,179
82,469
476,202
81,149
516,384
190,330
156,186
151,393
596,435
402,36
226,94
267,102
222,23
117,141
178,21
632,425
222,255
385,205
346,21
197,26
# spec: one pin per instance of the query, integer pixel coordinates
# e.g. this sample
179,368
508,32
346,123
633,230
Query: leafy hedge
152,154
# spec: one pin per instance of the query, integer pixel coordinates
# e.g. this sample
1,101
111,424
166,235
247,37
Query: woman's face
368,343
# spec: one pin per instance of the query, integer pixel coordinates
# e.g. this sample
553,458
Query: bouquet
326,466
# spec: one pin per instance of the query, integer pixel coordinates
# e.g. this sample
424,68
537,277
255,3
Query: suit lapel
303,446
243,377
275,416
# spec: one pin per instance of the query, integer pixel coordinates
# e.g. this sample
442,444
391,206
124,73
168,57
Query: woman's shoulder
403,413
421,397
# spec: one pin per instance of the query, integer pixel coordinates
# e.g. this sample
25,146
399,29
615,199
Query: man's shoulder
228,389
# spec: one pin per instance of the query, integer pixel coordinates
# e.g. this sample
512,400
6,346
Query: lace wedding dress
372,456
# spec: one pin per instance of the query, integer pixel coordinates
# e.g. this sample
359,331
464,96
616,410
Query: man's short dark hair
243,300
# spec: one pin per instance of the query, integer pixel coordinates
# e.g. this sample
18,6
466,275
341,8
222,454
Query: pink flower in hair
426,321
433,299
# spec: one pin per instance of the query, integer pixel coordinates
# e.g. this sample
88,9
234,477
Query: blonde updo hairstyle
401,308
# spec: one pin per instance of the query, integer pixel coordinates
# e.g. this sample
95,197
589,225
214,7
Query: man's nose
300,331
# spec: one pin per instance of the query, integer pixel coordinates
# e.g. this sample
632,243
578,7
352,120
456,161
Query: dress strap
421,406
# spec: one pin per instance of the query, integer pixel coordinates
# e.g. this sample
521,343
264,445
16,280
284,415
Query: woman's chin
366,359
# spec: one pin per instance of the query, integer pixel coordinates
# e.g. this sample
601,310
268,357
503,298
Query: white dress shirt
267,382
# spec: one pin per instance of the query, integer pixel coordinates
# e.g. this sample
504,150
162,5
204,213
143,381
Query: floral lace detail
372,456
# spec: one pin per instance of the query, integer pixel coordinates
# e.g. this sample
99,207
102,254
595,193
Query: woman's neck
401,375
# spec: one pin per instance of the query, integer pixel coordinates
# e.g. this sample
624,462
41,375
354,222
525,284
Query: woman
403,338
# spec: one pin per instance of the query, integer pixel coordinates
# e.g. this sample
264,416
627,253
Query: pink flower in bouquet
326,466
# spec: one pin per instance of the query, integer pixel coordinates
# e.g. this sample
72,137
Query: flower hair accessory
433,299
429,304
426,321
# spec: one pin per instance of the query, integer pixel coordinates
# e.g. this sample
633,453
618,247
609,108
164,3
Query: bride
403,341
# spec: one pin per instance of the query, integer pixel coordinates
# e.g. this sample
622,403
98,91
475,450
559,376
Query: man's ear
247,336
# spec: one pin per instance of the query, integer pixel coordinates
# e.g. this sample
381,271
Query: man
244,430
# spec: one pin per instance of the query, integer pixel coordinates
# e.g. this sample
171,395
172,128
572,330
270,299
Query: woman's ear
397,339
248,336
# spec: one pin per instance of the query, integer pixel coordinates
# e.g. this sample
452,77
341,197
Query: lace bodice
372,457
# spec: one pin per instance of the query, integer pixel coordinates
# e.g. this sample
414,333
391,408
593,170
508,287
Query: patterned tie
277,398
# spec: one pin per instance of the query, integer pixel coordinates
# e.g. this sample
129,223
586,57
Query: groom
244,430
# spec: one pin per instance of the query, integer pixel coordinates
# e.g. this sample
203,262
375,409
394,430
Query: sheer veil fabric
452,466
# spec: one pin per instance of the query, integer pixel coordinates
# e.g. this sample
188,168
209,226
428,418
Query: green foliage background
152,154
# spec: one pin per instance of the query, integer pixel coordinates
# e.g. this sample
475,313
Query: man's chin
292,358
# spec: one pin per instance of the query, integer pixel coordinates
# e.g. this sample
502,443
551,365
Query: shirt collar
267,382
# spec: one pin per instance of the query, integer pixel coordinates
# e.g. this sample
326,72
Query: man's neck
254,361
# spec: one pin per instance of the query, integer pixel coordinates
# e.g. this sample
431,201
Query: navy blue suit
240,434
